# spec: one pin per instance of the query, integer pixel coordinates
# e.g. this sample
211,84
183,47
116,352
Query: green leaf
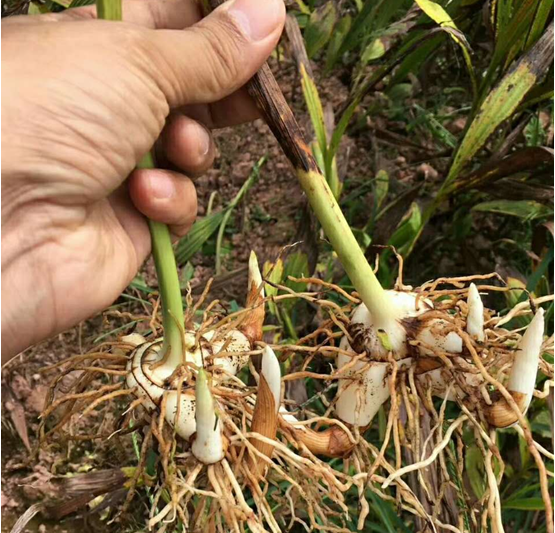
510,29
80,3
381,187
318,156
254,175
411,44
272,272
319,28
541,424
524,504
386,514
363,239
303,8
140,284
442,18
534,132
525,209
374,50
436,127
401,240
502,102
474,465
540,20
422,49
105,9
373,17
516,294
187,273
201,231
67,3
37,9
407,229
359,25
315,110
297,267
334,45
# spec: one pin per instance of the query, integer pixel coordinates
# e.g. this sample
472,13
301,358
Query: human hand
83,101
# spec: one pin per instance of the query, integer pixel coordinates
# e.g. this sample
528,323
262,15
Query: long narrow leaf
252,179
442,18
334,46
319,28
510,29
201,231
502,101
204,228
525,209
315,110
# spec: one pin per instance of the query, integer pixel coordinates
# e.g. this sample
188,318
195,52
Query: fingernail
161,187
203,141
257,18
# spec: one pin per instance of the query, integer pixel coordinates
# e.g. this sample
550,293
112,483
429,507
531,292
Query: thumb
218,55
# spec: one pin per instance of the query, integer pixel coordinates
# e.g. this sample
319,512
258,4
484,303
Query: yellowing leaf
319,28
442,18
315,110
525,209
502,101
273,272
436,13
374,50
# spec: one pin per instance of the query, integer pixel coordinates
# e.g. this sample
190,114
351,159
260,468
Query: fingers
235,109
218,55
154,14
188,145
166,197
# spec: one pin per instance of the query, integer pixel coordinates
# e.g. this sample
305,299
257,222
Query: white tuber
208,444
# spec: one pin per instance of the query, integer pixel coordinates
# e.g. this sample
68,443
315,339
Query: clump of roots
185,489
419,463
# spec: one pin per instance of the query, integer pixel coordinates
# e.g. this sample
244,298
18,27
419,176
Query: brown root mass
419,463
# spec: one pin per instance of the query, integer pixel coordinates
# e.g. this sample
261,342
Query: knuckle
225,46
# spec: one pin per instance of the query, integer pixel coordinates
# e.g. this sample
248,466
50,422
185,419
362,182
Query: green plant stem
171,302
288,323
338,231
278,115
173,320
109,9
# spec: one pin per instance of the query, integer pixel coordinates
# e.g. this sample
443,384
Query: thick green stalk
278,115
171,302
338,231
164,259
267,94
109,9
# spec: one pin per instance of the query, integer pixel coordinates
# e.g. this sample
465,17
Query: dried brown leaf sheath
333,442
254,321
501,414
264,420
